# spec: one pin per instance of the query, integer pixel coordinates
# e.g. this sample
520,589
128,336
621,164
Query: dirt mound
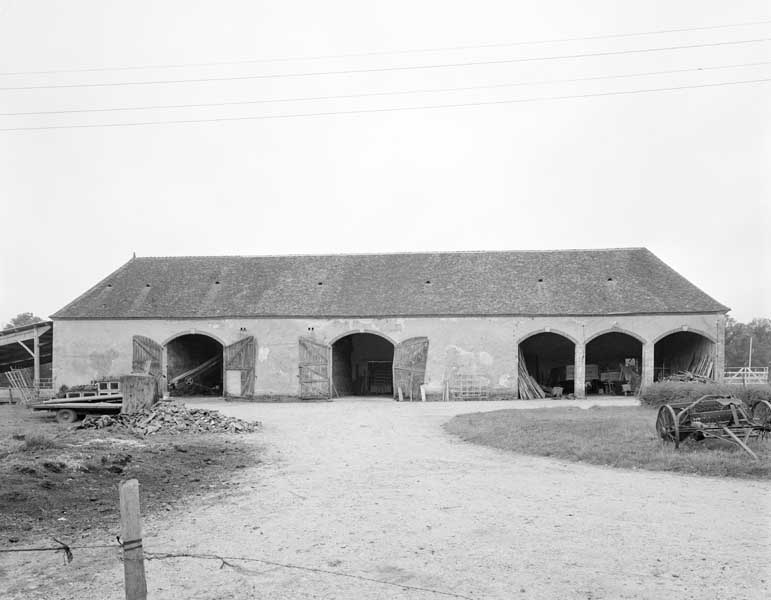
171,417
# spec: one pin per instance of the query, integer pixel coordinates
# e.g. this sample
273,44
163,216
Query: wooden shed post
36,358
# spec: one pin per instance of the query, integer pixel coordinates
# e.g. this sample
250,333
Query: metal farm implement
719,417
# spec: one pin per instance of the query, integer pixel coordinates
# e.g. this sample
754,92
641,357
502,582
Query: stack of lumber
688,376
170,418
528,386
701,365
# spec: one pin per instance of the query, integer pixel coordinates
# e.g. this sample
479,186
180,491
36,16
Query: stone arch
370,331
187,350
694,330
614,361
546,330
628,332
548,356
362,363
688,350
193,332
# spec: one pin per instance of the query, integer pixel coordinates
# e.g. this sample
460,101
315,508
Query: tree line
737,342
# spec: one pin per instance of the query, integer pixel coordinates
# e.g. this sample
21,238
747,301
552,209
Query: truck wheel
66,416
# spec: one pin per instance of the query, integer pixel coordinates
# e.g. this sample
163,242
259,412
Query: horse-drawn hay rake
719,417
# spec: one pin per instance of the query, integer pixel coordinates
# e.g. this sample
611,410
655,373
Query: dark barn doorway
549,359
362,365
194,366
683,352
613,364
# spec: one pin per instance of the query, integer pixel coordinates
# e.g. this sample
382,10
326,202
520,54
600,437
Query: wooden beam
36,356
27,334
23,345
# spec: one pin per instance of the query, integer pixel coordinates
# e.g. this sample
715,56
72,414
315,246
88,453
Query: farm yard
382,493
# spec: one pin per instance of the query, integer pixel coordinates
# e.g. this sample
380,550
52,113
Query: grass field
623,437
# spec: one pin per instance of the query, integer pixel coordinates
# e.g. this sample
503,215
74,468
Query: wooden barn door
410,359
314,369
147,357
238,360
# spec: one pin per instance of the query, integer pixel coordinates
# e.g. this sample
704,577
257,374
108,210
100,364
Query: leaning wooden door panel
146,356
410,358
314,369
239,359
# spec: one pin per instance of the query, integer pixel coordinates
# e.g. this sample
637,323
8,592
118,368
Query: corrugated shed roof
559,282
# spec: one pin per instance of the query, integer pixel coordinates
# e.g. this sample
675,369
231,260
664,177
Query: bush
666,392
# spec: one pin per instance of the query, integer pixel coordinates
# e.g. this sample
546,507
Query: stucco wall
84,350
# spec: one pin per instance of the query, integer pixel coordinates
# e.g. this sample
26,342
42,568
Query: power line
392,52
387,69
384,110
380,94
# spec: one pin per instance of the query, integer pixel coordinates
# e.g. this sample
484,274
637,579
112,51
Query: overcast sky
682,172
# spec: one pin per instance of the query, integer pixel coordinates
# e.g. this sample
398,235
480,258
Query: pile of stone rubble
171,418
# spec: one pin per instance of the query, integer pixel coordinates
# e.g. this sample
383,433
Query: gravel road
378,490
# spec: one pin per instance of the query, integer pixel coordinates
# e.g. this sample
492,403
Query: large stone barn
455,325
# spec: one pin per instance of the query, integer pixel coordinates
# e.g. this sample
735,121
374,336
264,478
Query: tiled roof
559,282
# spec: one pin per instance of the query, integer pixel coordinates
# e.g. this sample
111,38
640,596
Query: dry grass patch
62,482
622,437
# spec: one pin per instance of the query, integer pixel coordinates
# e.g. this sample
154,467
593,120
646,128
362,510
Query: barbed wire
225,561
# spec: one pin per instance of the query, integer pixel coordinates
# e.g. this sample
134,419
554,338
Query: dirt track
379,490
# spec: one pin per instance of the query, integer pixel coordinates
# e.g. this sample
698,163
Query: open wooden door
410,359
239,359
314,369
147,357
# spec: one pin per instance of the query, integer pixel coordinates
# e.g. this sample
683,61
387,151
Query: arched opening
362,365
549,360
613,364
683,352
194,366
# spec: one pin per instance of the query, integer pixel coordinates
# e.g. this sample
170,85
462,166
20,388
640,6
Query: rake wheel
761,413
667,425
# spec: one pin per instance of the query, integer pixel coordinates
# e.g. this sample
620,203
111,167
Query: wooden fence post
131,535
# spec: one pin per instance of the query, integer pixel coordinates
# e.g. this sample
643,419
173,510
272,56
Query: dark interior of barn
613,364
362,365
549,358
194,366
683,351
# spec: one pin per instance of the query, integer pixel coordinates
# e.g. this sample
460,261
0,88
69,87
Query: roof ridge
399,253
